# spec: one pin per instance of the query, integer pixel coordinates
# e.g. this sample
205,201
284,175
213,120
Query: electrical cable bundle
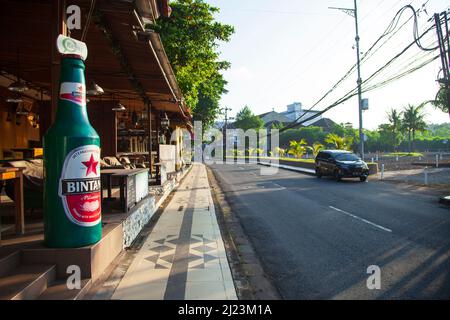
410,67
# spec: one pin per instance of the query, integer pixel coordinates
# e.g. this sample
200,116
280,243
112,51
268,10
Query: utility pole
445,60
224,133
354,13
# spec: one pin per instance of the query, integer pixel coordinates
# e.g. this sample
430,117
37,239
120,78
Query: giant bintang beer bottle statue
72,200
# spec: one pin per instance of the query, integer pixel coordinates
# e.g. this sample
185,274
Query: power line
267,11
290,69
402,74
388,30
325,53
352,93
316,46
402,64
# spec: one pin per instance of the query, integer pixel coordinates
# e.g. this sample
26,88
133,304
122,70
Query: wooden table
106,174
15,174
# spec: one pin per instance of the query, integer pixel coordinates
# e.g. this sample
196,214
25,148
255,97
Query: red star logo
91,165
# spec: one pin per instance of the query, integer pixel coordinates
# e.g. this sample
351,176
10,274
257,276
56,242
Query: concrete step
9,262
26,282
59,291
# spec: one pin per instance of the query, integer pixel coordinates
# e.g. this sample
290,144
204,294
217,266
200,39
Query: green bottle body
72,188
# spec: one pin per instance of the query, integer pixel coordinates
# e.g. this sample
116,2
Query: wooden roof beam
117,50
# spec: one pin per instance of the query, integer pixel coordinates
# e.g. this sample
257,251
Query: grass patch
298,160
284,159
271,158
404,154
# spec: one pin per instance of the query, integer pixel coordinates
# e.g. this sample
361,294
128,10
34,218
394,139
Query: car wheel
318,173
337,176
363,178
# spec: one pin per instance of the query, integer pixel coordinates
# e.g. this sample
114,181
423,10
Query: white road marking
361,219
279,186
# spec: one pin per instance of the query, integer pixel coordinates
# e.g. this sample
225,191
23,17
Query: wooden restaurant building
134,103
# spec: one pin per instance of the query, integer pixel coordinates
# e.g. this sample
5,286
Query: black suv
340,164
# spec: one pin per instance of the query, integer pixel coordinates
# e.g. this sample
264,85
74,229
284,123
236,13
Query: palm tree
395,119
440,102
412,122
338,142
298,148
315,149
395,125
281,152
259,152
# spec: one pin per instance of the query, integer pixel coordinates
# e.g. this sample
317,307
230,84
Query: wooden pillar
18,203
58,27
104,121
158,127
149,116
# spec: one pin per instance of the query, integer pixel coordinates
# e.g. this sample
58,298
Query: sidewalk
435,176
184,256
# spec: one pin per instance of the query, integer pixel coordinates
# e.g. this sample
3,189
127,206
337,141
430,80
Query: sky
286,51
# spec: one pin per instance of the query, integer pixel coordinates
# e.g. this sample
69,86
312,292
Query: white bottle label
74,92
80,187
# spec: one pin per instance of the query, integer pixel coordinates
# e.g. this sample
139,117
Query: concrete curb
251,282
373,168
291,168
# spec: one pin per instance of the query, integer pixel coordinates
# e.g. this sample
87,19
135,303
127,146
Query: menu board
131,191
141,185
167,156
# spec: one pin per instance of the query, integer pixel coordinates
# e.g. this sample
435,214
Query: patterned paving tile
183,254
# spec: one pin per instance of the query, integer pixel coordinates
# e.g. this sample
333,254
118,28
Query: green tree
191,37
395,120
440,102
395,127
412,122
298,148
277,125
207,108
339,143
280,152
315,148
386,139
438,130
245,120
259,151
350,134
311,134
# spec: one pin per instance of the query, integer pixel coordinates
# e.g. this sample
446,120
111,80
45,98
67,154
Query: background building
292,113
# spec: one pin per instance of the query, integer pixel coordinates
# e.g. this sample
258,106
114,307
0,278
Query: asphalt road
317,237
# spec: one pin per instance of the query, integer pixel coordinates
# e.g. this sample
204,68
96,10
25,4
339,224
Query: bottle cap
71,47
